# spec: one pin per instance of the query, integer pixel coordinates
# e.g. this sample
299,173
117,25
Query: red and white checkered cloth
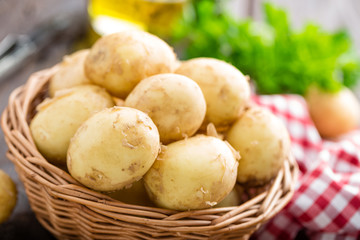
326,203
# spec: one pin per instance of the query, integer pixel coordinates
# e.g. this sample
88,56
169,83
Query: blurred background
209,24
330,14
298,42
22,16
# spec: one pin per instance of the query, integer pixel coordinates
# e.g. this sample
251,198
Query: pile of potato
128,113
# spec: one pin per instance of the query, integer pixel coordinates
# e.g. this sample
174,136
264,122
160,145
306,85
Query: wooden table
20,17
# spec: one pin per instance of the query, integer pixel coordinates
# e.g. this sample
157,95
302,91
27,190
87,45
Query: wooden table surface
20,17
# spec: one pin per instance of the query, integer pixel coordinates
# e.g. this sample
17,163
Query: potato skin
333,114
174,102
113,148
71,72
225,88
135,194
263,143
193,173
8,196
232,199
121,60
58,118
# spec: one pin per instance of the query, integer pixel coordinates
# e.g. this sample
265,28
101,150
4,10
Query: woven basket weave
70,211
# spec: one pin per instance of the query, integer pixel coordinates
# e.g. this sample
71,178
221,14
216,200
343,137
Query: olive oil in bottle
156,16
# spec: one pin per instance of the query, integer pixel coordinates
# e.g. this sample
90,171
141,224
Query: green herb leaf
277,58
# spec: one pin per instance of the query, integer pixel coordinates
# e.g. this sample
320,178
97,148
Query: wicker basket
70,211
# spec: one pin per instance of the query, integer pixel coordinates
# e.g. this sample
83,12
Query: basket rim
23,153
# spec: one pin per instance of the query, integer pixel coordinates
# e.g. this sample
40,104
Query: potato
58,119
174,102
193,173
8,196
113,149
134,194
263,142
333,114
119,61
119,102
71,72
232,199
225,88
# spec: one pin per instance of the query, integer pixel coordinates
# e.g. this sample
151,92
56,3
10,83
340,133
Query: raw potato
225,88
113,149
119,61
193,173
174,102
263,143
232,199
70,74
118,102
8,196
333,114
58,119
134,194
